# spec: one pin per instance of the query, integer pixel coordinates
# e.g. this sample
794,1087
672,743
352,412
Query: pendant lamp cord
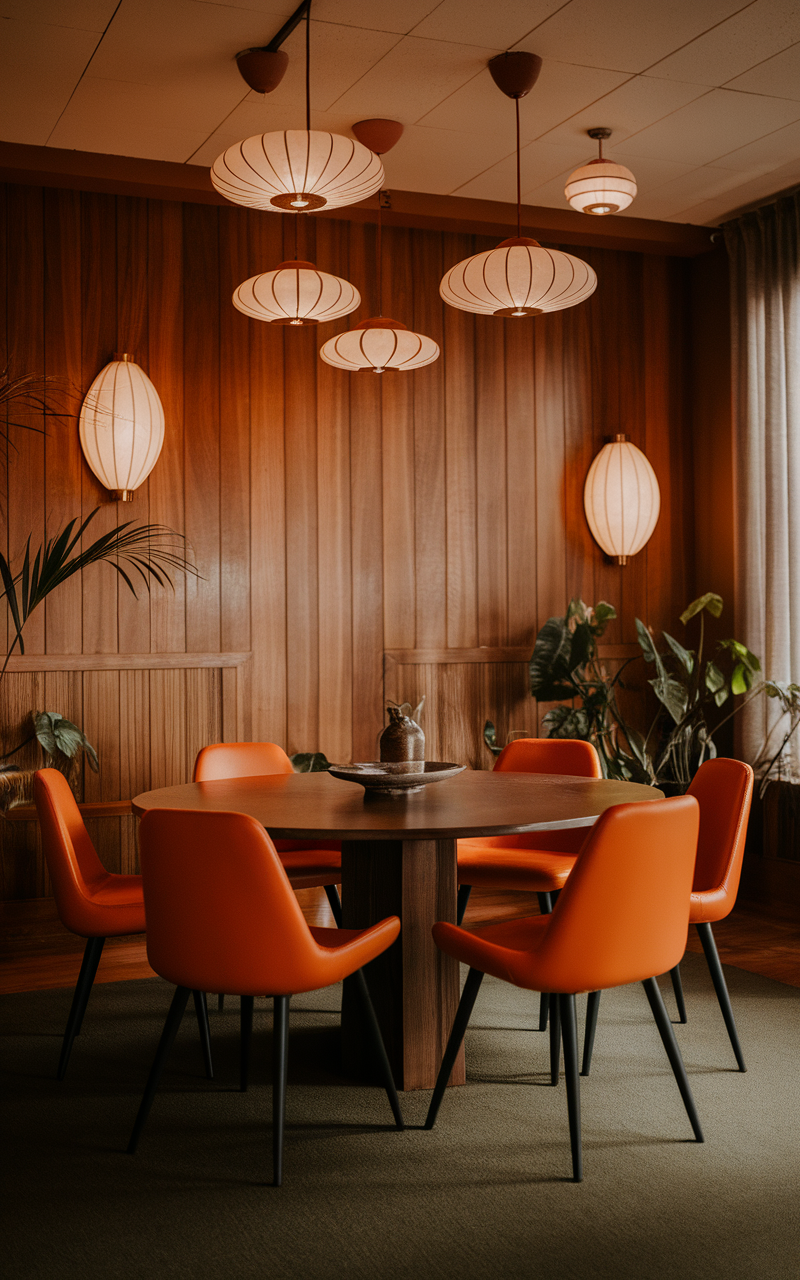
600,145
380,258
519,183
308,67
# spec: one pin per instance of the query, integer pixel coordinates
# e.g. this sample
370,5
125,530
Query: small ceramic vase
402,739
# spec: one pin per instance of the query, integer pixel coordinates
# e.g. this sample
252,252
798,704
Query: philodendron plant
689,685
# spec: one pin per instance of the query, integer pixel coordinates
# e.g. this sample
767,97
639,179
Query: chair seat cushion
115,906
482,863
311,866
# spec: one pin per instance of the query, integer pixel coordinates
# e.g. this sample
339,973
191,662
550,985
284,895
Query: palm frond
150,552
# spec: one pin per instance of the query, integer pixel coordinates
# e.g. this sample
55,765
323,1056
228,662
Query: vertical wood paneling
331,516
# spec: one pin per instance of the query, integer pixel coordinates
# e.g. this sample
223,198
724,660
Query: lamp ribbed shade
379,344
519,277
296,171
296,293
600,187
621,498
122,426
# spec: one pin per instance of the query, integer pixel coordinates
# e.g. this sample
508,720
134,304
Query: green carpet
486,1193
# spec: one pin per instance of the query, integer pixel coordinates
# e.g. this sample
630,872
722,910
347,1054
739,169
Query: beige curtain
764,251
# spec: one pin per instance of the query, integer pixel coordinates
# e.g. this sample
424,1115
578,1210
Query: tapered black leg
245,1039
721,988
176,1011
201,1009
673,1052
280,1055
677,987
464,890
555,1039
380,1048
592,1006
463,1013
335,904
569,1034
220,1003
545,909
83,988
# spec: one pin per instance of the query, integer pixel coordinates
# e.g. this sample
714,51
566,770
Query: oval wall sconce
622,499
122,427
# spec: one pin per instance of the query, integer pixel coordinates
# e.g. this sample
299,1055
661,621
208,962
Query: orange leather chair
233,924
536,861
622,917
724,790
92,902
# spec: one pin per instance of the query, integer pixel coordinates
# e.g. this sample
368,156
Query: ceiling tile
375,15
624,35
757,32
500,24
340,56
700,132
767,153
700,184
635,105
413,77
436,160
39,67
717,209
119,103
84,15
538,163
256,115
126,138
561,90
779,77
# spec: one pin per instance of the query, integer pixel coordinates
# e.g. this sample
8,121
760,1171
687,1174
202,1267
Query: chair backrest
240,760
72,860
550,755
623,914
724,790
221,914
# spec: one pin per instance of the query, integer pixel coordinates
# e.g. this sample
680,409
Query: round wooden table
399,858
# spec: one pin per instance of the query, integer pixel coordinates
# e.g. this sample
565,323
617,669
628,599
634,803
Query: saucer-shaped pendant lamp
122,427
297,170
519,277
379,345
600,187
296,293
622,499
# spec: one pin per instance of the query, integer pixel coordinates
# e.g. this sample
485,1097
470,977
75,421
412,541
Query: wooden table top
476,803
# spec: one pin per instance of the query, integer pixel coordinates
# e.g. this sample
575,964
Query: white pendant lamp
519,277
380,344
297,170
122,427
600,187
296,293
622,499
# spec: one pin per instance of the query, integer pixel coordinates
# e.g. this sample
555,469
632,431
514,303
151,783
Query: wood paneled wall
331,517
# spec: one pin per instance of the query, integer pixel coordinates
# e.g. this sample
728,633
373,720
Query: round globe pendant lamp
297,170
518,278
600,187
380,344
122,427
622,499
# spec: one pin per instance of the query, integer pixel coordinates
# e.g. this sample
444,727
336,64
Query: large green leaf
309,762
55,733
673,695
549,666
684,656
603,614
567,722
490,738
710,601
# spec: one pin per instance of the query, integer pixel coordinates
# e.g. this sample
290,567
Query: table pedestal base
413,985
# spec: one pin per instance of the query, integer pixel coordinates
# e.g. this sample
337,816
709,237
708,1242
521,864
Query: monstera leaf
551,663
310,762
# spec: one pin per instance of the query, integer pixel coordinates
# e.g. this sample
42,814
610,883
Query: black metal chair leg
83,989
464,890
201,1009
569,1034
721,988
463,1013
592,1006
380,1048
677,987
245,1039
545,903
176,1012
673,1052
555,1039
335,904
545,909
280,1056
220,1003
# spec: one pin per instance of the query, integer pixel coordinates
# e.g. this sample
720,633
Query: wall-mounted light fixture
622,499
122,427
